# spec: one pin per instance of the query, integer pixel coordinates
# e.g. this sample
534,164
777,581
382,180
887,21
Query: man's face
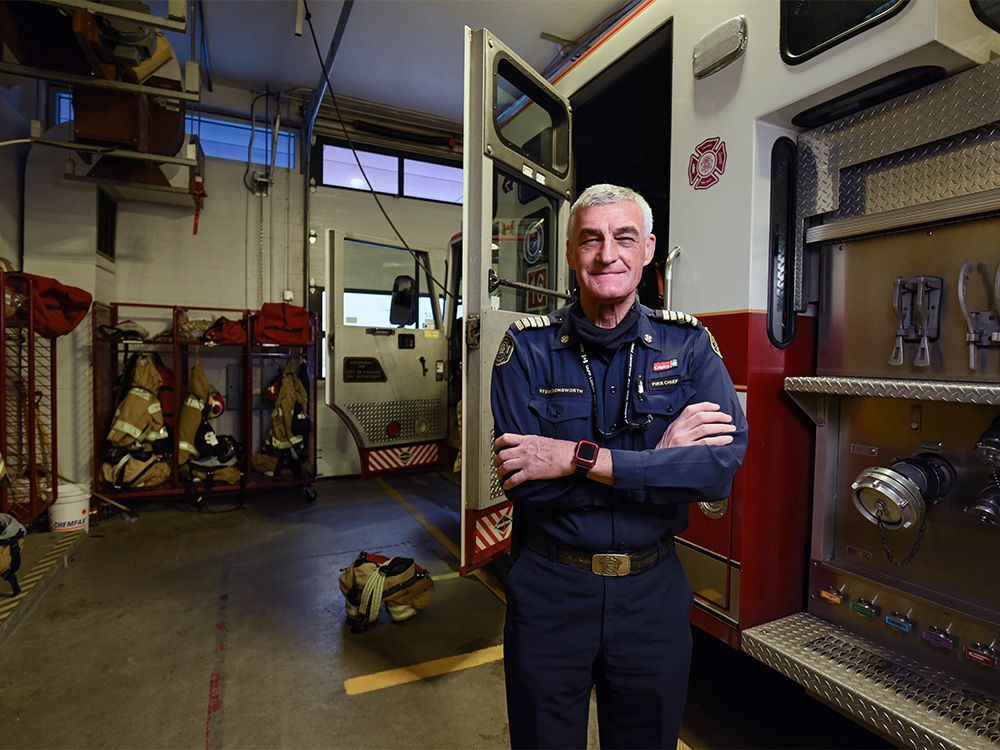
607,249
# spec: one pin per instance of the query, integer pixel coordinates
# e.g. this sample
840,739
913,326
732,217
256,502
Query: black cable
416,257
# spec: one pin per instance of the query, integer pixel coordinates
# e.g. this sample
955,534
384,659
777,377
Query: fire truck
825,181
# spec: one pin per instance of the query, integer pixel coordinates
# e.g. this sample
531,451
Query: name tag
560,390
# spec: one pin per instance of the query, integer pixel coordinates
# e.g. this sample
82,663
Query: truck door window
369,270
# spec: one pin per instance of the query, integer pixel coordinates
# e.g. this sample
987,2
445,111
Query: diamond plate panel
496,490
887,692
419,420
920,390
960,166
937,142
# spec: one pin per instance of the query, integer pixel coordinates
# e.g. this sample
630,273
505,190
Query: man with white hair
612,418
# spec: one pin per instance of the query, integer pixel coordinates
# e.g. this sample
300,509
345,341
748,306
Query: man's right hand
699,424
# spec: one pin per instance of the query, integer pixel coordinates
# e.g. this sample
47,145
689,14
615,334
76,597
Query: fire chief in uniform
612,419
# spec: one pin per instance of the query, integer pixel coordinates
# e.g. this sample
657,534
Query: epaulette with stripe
533,321
675,316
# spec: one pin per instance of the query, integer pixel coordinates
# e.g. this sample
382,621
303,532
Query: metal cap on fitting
898,497
986,507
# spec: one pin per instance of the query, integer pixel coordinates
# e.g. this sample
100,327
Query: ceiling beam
312,108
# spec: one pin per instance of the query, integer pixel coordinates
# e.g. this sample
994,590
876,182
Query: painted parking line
30,577
484,577
437,667
417,672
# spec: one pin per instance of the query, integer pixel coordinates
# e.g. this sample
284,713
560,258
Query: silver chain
885,542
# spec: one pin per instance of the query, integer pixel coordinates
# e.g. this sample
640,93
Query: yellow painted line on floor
421,518
488,580
29,577
416,672
445,576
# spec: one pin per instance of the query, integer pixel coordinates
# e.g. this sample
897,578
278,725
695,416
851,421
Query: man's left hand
519,458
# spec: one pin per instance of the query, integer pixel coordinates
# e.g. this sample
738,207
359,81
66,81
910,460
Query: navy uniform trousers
568,629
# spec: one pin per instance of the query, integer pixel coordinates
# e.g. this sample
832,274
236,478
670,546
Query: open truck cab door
386,352
518,180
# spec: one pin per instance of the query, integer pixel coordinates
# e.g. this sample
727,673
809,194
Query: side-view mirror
403,309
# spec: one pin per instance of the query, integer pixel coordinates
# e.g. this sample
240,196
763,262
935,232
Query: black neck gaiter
601,341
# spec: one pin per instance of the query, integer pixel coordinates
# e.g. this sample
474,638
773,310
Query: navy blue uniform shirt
541,387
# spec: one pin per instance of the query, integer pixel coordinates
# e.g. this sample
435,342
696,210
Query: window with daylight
369,270
340,169
220,139
391,174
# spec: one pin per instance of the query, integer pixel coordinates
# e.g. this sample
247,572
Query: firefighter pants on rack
568,629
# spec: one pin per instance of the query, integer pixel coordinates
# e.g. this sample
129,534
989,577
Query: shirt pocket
663,405
564,418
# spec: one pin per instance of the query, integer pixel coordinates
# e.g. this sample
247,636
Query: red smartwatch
585,457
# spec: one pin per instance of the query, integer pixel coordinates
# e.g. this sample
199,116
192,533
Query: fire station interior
231,377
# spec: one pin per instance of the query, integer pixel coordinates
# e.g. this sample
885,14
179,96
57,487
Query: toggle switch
899,622
938,638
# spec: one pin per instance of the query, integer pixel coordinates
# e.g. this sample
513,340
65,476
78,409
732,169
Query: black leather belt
618,563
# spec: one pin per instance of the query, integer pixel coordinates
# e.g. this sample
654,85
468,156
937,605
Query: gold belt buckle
611,565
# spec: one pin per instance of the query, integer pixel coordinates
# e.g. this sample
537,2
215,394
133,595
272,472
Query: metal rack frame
108,356
28,424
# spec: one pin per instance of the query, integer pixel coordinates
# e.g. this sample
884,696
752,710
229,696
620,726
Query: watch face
586,452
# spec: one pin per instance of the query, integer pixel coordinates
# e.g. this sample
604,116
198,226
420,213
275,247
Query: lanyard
585,361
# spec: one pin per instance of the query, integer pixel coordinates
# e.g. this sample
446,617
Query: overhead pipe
309,115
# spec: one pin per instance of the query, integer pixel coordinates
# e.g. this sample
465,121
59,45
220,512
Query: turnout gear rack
236,362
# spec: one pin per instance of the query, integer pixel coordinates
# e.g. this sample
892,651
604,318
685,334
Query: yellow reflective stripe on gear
141,393
195,402
153,408
280,444
186,446
160,433
128,429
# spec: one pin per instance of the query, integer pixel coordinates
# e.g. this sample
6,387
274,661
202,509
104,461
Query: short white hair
603,194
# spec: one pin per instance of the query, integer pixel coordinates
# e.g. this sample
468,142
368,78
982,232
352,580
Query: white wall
159,261
424,225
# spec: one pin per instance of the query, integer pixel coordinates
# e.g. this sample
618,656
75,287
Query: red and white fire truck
825,181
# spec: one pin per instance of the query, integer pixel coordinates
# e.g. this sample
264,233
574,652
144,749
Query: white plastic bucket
71,511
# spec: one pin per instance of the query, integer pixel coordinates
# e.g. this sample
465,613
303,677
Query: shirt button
613,389
669,409
555,412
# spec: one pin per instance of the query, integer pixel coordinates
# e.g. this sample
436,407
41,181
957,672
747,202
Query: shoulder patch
675,316
505,351
714,343
533,321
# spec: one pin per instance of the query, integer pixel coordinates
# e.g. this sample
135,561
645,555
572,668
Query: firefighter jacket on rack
202,455
138,440
286,443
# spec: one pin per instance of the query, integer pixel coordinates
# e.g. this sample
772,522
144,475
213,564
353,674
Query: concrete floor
226,628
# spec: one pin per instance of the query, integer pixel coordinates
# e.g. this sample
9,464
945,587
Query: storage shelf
255,362
811,392
920,390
